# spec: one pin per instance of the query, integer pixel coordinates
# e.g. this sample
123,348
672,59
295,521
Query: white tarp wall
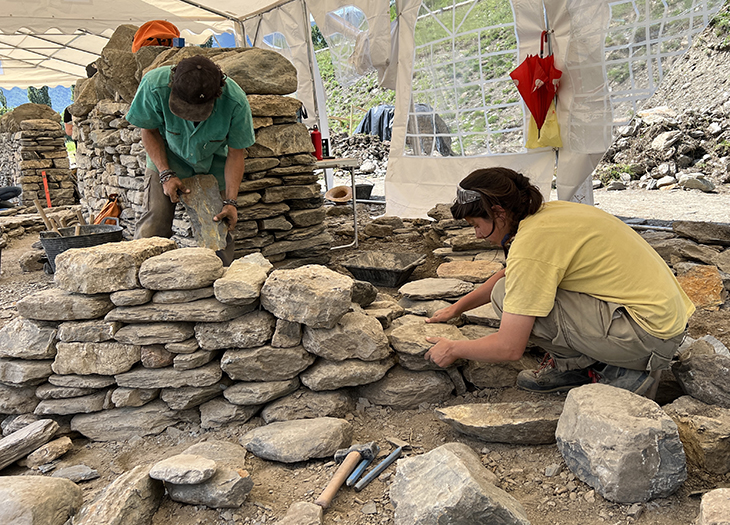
456,110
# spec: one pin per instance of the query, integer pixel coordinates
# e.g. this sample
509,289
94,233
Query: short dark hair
499,187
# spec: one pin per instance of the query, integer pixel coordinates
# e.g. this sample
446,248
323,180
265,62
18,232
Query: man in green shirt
194,121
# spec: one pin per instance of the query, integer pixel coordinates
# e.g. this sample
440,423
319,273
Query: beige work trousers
160,212
581,330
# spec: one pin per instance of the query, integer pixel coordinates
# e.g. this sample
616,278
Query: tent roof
49,42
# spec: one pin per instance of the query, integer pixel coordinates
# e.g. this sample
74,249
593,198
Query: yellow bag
549,134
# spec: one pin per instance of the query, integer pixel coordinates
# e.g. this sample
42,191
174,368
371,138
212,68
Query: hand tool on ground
349,458
380,467
361,468
49,225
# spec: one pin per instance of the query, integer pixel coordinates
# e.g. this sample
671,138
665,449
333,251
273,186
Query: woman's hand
441,353
443,315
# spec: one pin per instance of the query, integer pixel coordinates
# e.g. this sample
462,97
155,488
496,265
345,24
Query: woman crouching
578,283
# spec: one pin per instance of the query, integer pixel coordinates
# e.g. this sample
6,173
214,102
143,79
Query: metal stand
349,164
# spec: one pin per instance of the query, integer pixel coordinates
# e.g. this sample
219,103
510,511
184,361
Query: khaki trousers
160,212
581,330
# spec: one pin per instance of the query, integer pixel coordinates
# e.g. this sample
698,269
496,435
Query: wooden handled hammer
348,459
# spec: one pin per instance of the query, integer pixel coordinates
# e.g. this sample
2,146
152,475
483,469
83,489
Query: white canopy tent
447,59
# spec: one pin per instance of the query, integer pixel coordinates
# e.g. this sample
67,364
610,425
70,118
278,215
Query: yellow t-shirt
580,248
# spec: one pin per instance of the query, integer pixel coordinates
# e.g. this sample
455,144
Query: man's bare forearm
154,145
233,173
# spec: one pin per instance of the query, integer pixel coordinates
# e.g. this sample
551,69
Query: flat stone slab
311,295
24,373
55,304
202,204
106,358
131,498
81,381
404,389
73,405
204,311
187,397
133,397
434,288
259,393
38,500
194,360
218,412
182,269
448,485
182,296
307,404
120,424
95,331
184,469
266,363
525,423
248,331
106,268
422,308
298,440
469,271
704,431
621,444
409,341
354,336
154,333
230,484
483,315
24,441
131,297
27,339
169,377
332,375
76,473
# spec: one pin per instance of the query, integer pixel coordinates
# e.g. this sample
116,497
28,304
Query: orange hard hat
155,33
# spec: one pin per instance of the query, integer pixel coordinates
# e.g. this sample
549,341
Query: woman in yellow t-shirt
568,288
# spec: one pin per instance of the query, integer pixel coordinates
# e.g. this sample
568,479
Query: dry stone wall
280,205
123,349
38,147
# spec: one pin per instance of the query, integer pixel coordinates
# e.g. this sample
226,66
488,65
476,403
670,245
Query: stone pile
662,149
369,149
38,148
280,204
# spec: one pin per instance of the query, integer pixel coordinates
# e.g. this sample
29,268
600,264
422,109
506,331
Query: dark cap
196,83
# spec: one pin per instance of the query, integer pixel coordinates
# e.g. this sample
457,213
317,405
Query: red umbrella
537,81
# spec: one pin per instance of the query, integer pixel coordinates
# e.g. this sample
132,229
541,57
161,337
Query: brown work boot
636,381
547,378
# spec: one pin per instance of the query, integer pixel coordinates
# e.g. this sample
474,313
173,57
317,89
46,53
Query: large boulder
621,444
449,486
38,500
10,122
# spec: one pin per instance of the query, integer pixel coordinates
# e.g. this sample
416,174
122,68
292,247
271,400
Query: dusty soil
561,499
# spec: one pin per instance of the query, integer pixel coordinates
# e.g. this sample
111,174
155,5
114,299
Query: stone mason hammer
349,458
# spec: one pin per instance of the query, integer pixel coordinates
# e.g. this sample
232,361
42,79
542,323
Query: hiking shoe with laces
549,379
636,381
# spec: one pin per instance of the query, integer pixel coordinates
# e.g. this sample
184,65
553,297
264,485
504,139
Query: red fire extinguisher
317,142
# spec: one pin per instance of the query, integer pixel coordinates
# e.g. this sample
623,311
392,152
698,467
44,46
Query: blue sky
61,96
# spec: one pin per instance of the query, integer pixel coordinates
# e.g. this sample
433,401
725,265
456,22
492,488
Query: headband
466,196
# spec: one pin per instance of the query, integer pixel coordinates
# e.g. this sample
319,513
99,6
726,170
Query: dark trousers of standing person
160,212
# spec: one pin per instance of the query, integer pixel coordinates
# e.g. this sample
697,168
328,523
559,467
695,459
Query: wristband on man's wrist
229,202
166,175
